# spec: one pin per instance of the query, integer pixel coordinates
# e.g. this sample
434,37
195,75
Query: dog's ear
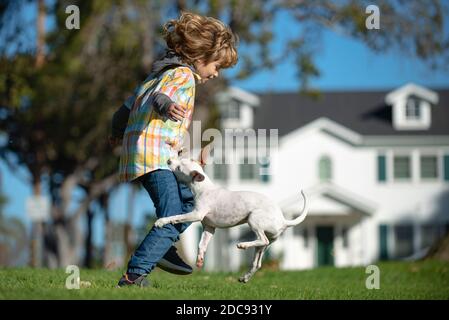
204,154
196,176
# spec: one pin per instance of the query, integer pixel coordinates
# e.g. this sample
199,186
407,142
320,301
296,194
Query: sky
345,64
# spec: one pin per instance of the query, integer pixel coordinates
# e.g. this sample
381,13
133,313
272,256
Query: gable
329,127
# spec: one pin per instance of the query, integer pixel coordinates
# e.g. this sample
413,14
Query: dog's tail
302,216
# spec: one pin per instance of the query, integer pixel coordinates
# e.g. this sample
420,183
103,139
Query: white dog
217,207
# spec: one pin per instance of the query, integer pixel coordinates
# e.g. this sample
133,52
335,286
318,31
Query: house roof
365,112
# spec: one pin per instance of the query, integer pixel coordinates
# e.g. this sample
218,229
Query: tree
57,124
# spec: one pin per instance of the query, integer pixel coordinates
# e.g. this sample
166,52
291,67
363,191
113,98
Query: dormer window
413,108
237,108
232,112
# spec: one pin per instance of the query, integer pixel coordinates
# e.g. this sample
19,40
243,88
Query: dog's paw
244,279
160,222
241,246
200,263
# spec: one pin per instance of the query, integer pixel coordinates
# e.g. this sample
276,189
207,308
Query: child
158,117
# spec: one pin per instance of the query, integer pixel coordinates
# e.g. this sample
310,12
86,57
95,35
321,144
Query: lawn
398,280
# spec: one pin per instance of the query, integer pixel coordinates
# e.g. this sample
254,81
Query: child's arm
173,81
119,122
162,102
167,108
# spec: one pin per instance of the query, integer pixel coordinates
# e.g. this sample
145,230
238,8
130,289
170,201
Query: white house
374,165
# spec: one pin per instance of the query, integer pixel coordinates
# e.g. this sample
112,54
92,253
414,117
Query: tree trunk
36,243
107,263
64,248
88,258
40,48
68,234
146,22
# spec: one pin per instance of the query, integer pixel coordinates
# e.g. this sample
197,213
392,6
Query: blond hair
195,37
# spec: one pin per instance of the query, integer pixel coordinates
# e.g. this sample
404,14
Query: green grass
419,280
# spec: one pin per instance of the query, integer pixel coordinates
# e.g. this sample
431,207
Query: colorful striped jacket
149,134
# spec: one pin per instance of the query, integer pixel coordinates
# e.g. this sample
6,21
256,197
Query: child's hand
114,142
176,112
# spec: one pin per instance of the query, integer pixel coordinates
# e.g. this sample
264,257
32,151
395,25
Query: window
402,169
429,167
247,170
325,168
220,172
403,240
232,111
412,108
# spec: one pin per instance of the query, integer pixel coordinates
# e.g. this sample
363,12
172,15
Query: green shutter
383,242
381,168
446,167
265,178
264,171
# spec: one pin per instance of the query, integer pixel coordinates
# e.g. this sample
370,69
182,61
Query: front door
325,240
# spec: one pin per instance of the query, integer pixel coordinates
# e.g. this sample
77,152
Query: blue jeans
170,198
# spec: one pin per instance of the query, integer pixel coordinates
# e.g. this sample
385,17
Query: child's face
207,71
